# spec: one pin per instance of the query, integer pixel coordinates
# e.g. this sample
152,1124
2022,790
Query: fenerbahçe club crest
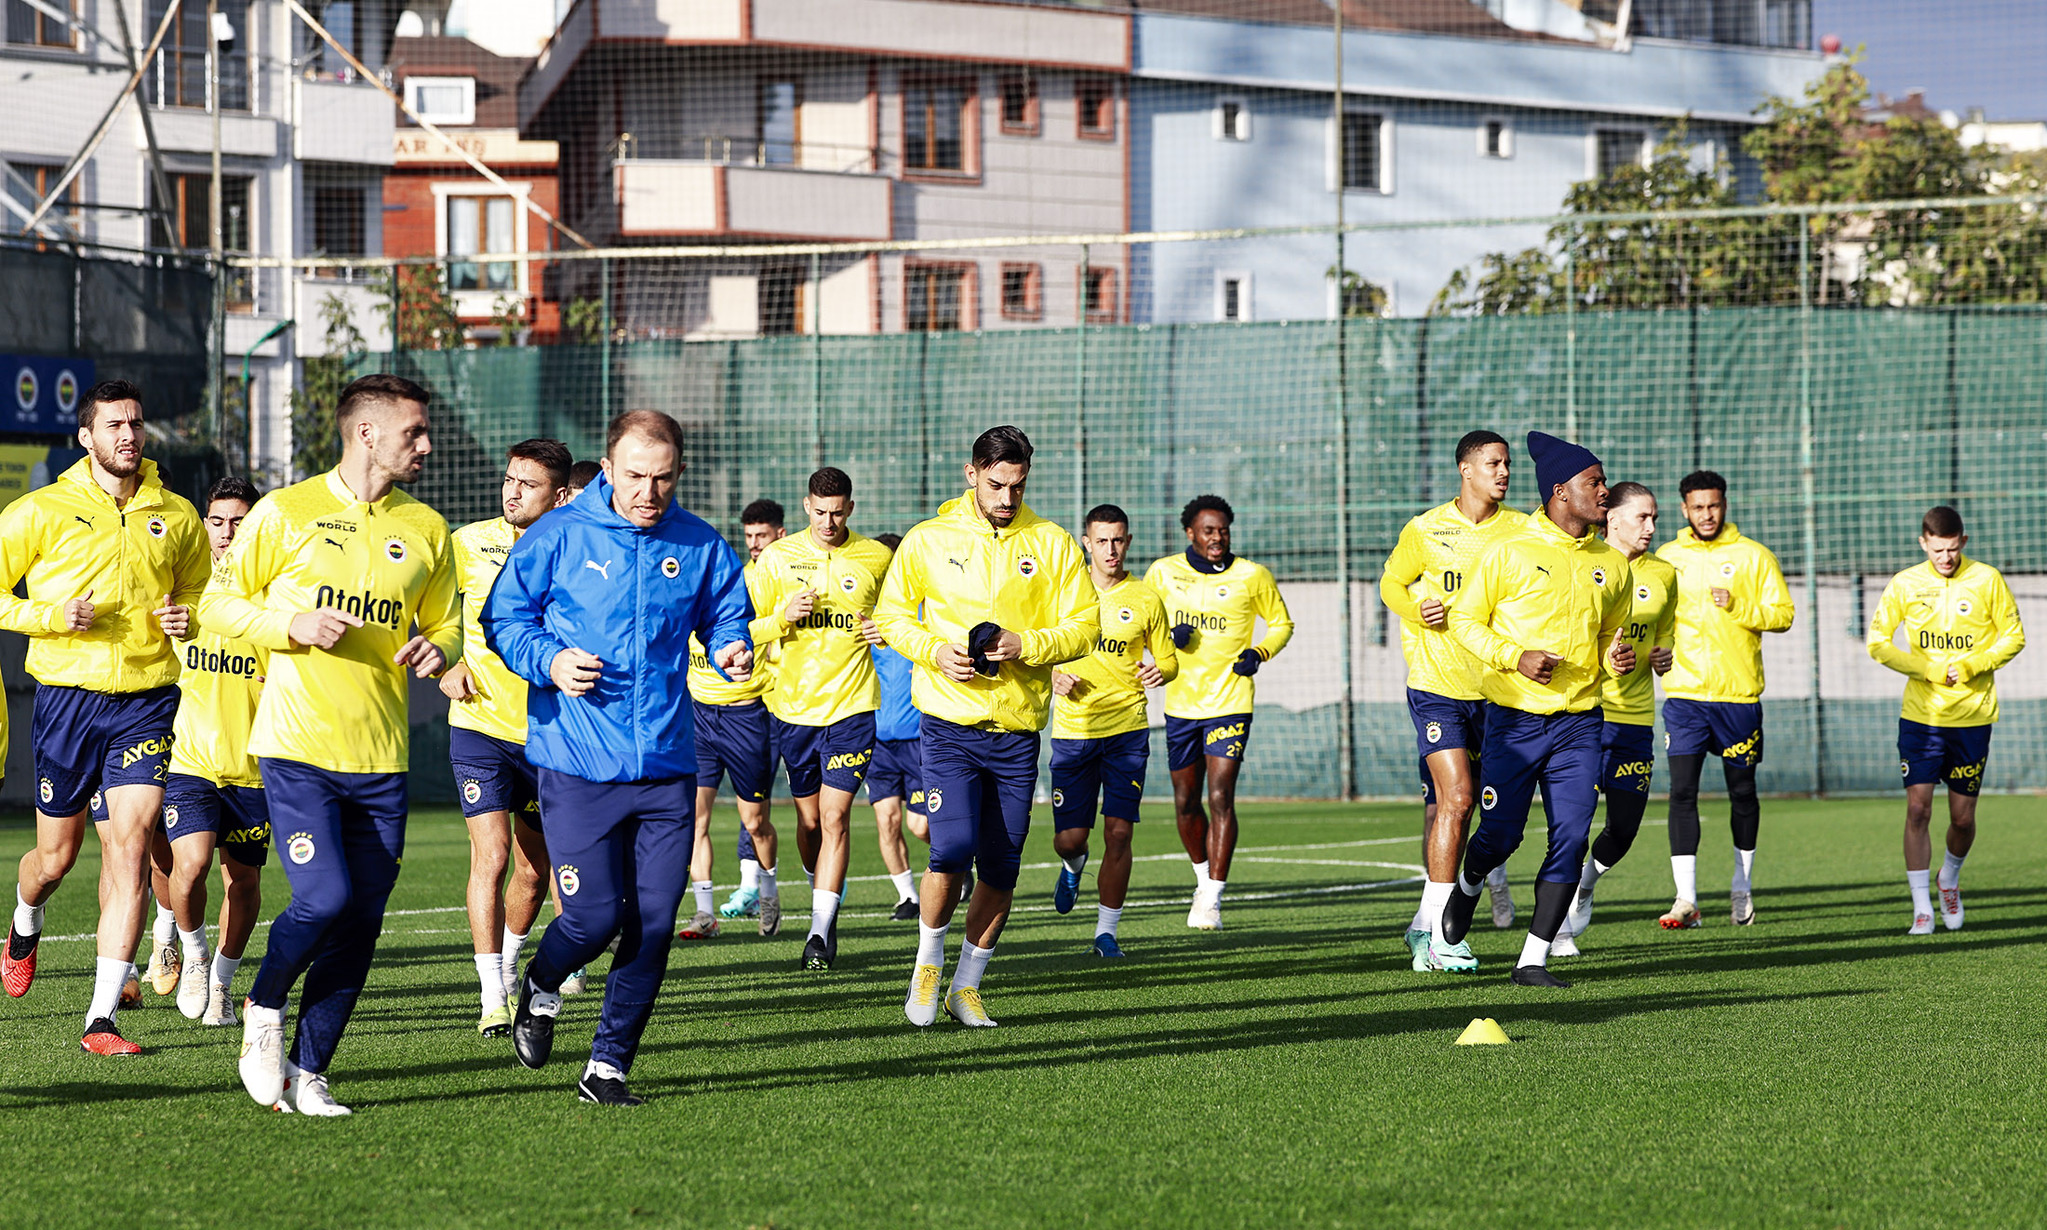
301,848
671,567
570,880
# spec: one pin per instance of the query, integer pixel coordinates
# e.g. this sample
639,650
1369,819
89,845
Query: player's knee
245,894
1455,801
1116,841
952,851
324,899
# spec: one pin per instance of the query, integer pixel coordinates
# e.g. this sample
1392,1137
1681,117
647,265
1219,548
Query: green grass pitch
1820,1068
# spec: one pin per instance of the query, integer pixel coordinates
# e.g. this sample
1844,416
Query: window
1232,296
781,291
1232,120
338,221
1021,290
179,73
1614,148
190,223
1020,105
1495,139
1363,166
442,100
28,26
27,184
781,128
1095,99
934,298
935,129
481,224
1098,296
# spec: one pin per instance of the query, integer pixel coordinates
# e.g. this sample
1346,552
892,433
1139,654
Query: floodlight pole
1346,755
1808,496
216,354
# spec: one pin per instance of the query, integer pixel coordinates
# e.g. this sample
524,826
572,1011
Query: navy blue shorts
493,774
238,816
734,739
834,755
1110,768
85,742
1189,739
977,791
1556,752
898,773
1724,729
1630,757
1442,725
1953,754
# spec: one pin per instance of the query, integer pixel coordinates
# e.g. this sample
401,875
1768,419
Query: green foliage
315,443
1359,295
426,309
508,316
584,321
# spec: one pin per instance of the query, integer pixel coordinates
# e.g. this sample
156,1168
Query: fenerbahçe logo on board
1489,797
569,879
155,525
671,567
300,848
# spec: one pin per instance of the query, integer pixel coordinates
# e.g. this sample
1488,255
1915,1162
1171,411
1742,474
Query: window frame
1033,123
969,292
1242,277
462,118
1382,122
1506,150
1088,82
1219,125
969,171
1112,292
1034,290
42,22
1593,170
474,304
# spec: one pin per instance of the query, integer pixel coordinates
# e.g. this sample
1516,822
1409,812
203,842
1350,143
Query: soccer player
817,592
1428,566
1213,597
581,475
487,736
1628,702
895,779
214,795
986,597
331,575
1729,592
1543,611
112,562
733,738
595,608
1101,732
1961,625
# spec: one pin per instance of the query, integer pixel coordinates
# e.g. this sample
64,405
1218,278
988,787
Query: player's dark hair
1701,480
1105,513
831,481
891,540
1002,446
1621,493
550,455
583,473
1941,522
1206,503
102,393
1476,440
762,512
652,424
229,487
377,388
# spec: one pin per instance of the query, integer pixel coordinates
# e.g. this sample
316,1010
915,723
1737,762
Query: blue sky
1964,53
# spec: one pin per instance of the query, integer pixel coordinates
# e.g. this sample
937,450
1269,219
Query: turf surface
1820,1068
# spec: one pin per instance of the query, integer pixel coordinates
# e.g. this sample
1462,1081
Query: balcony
342,121
677,198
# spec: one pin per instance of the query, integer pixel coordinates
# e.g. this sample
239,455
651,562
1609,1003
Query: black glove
1182,633
979,641
1247,663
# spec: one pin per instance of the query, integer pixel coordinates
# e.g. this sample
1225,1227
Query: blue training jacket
584,577
898,717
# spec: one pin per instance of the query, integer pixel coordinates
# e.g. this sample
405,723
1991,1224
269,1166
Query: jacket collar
1201,564
1539,522
1727,537
148,493
966,511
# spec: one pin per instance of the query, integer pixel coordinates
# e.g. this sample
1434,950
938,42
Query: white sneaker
1565,945
305,1093
576,983
921,1005
1922,924
194,982
220,1006
1207,913
1502,896
1741,908
1950,907
1580,916
262,1061
963,1004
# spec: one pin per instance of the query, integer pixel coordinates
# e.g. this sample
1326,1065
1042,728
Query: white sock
702,889
1107,920
1420,921
1922,894
1684,869
1534,951
1589,878
1744,863
1951,870
107,979
749,874
767,882
906,885
508,948
931,945
810,877
224,968
1201,873
166,924
824,907
1215,891
1074,862
28,919
490,972
193,944
1468,886
1435,895
258,1014
598,1067
973,963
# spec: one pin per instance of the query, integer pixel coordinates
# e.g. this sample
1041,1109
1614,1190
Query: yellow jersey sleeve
824,671
498,708
1432,559
1651,623
21,546
219,685
1108,699
710,687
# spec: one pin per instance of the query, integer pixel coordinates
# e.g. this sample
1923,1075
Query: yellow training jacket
1435,551
218,689
67,540
1108,700
823,670
499,706
709,687
1221,606
391,564
1968,621
1029,578
1543,589
1720,651
1652,623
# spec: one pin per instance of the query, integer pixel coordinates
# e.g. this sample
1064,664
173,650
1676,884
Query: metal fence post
1570,345
1346,755
604,341
1080,397
1807,491
816,366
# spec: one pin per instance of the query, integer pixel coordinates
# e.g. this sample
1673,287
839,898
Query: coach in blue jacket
595,608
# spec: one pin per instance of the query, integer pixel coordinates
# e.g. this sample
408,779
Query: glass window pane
778,123
498,238
464,223
948,106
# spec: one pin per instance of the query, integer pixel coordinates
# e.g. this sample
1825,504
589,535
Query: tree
315,441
